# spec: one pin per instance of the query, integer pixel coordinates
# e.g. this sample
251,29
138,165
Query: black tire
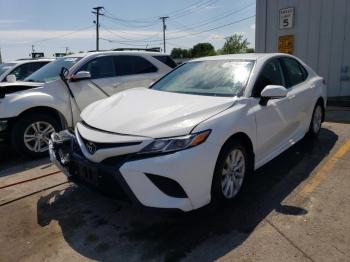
217,193
19,128
313,131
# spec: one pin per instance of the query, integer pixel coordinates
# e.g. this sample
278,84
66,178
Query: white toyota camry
196,134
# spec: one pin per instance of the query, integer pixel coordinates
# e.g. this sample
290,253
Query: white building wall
321,36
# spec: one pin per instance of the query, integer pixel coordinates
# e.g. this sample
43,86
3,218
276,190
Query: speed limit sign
286,18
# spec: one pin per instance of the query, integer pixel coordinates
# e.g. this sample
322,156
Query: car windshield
212,78
5,67
51,71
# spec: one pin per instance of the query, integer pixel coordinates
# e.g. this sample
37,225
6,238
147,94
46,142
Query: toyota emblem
91,147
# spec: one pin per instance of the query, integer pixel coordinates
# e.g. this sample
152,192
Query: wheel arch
247,141
57,115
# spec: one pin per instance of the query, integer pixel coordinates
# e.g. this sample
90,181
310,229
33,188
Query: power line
129,39
215,19
63,35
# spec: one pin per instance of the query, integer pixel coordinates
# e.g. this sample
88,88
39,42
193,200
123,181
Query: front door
103,78
275,119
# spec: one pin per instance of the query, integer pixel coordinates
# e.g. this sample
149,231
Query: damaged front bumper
67,156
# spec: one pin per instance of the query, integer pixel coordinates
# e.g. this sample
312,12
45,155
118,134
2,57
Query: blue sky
53,25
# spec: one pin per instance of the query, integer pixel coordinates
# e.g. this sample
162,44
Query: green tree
179,53
235,44
202,49
250,50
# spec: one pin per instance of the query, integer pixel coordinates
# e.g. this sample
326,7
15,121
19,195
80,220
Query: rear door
134,71
301,94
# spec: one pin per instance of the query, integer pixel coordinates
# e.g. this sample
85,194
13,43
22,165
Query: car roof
23,61
95,53
244,56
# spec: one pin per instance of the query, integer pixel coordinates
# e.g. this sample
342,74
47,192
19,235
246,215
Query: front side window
132,65
293,71
211,78
271,74
100,67
51,71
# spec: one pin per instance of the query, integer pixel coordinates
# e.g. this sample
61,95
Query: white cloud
215,37
9,21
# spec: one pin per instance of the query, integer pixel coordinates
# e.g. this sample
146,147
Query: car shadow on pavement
104,229
11,162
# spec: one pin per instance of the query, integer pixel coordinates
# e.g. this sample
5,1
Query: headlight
164,145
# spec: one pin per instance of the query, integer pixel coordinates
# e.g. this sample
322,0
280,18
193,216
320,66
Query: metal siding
319,28
337,41
272,23
260,26
313,43
345,85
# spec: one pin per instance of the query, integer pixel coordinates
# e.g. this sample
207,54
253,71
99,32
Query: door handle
116,84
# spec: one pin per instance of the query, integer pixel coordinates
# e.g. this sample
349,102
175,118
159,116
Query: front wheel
232,168
31,134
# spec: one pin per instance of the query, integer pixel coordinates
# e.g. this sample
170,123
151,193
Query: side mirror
272,92
81,75
11,78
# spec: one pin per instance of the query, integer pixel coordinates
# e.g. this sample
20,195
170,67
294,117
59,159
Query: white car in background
48,100
197,133
20,69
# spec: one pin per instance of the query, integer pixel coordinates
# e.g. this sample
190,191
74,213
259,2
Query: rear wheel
232,168
31,134
316,120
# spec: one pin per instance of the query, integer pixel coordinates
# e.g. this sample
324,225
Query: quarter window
100,67
131,65
166,60
295,73
271,74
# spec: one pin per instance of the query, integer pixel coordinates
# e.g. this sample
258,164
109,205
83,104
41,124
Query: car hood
21,83
9,88
152,113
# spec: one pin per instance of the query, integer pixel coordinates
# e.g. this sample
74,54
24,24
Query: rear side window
295,73
271,74
165,59
131,65
100,67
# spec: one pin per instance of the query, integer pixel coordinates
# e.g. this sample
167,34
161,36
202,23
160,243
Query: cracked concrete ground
296,208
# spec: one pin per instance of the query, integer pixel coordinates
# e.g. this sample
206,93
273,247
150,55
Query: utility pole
97,12
33,50
67,50
164,28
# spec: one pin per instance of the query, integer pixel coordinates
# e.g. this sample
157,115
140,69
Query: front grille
109,145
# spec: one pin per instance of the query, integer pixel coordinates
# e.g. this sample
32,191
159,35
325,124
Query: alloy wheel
317,119
37,135
233,173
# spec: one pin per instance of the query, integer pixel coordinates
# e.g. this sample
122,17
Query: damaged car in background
196,134
52,98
